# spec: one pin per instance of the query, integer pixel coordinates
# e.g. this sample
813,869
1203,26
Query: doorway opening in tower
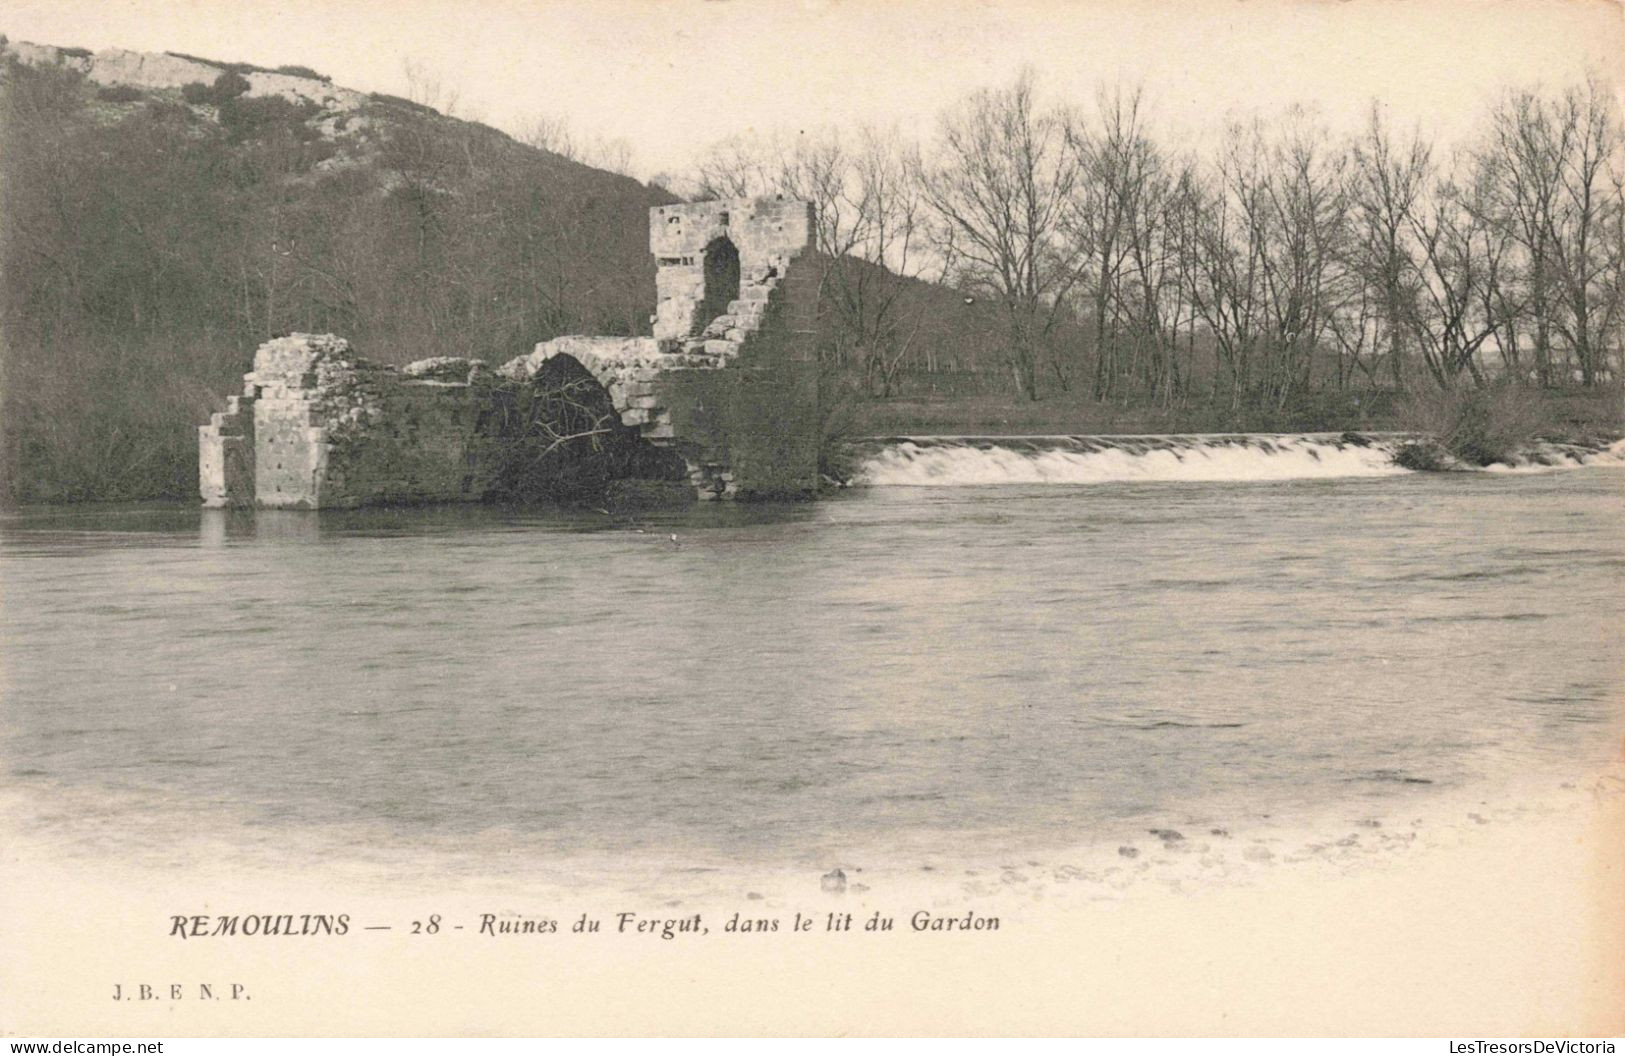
721,281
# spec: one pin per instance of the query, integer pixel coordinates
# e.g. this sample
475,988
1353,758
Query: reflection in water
1021,666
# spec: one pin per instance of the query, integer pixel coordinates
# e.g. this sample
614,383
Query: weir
949,461
720,402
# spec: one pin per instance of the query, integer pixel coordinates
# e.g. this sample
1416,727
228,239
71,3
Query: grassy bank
1554,414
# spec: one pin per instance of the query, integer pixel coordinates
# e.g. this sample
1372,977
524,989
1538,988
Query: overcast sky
673,76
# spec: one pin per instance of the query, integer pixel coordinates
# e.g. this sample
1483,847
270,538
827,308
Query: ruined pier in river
723,394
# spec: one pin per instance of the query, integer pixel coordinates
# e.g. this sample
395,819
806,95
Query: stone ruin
721,402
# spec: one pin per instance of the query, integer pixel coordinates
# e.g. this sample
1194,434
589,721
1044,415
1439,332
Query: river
926,674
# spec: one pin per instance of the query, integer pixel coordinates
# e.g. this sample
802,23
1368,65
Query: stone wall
318,427
735,395
226,455
767,233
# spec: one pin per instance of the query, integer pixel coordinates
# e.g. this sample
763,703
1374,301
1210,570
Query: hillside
161,215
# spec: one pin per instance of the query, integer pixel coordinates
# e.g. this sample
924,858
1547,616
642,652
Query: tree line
1094,259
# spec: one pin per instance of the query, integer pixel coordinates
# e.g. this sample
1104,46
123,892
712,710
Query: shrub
197,58
1423,455
165,110
118,93
229,85
233,67
395,100
1480,426
76,53
104,434
227,88
305,72
245,119
839,399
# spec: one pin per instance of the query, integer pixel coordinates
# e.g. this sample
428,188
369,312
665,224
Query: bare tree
426,88
1306,206
1106,218
1230,238
999,181
738,167
1156,301
1458,274
554,133
1388,180
870,233
1551,173
1586,260
1523,148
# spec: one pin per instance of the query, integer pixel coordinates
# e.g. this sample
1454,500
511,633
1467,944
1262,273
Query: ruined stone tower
728,381
729,378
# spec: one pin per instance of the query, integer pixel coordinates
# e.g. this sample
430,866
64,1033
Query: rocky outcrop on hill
160,70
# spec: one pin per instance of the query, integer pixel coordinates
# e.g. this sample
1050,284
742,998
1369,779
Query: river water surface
907,671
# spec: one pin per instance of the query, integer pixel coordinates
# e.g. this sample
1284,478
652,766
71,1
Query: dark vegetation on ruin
562,440
152,238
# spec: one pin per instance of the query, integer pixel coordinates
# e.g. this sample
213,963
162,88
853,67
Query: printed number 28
428,927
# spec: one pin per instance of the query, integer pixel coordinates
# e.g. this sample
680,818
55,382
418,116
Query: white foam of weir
1095,460
1546,457
950,461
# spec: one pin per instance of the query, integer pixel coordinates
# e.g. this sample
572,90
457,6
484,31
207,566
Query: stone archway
721,281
